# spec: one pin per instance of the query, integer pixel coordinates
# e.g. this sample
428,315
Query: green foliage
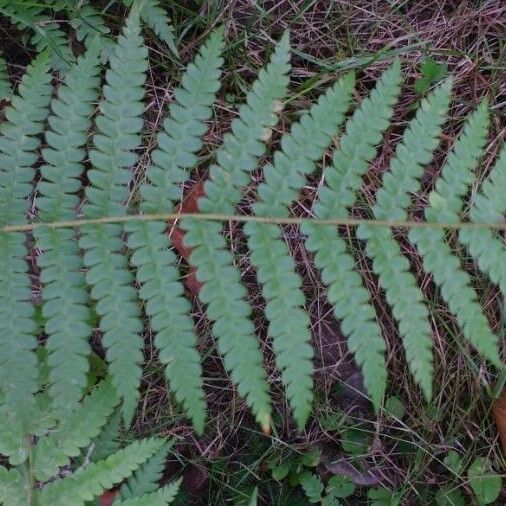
485,484
281,286
432,72
156,269
392,200
119,125
118,266
222,290
345,288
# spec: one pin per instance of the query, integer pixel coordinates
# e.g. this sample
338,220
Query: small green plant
432,72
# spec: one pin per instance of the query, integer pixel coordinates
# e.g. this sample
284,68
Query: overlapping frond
281,286
343,178
402,293
446,202
89,482
74,432
145,479
489,207
168,309
161,497
65,306
119,125
18,146
222,290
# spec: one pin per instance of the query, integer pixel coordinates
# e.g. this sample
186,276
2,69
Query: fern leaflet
402,292
75,431
64,292
162,496
281,286
119,126
168,309
488,207
12,487
89,482
222,290
18,145
445,204
346,292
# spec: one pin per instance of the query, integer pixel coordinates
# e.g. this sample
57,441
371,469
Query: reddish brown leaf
499,410
189,205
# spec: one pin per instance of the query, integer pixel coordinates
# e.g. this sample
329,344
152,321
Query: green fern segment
119,126
289,323
145,479
166,306
18,145
222,290
64,293
5,83
162,496
76,431
346,292
12,487
445,204
157,20
402,293
489,207
91,481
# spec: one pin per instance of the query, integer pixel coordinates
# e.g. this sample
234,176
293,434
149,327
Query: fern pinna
119,263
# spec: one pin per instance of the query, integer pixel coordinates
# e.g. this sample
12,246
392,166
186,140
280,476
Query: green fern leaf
13,488
108,440
162,496
18,145
75,431
288,322
89,482
119,125
64,293
488,207
48,36
145,479
222,290
346,292
402,292
5,83
168,309
157,20
445,204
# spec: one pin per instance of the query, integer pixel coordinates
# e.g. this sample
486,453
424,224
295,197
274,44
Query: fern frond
445,204
162,496
64,291
168,309
281,286
89,482
75,431
222,290
119,126
18,145
402,293
488,207
145,479
5,83
107,442
49,36
13,488
156,19
346,292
